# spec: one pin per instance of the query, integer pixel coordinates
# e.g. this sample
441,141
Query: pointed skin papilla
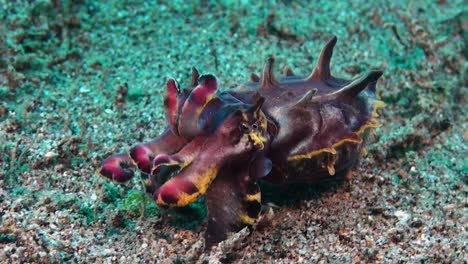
305,100
268,80
287,71
254,78
194,105
142,155
321,71
117,168
358,85
352,89
195,76
171,106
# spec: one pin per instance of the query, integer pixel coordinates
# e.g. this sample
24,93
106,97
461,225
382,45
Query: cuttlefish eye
244,127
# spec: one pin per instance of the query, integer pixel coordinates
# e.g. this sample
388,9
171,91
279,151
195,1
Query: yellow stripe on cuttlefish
253,197
246,219
257,139
201,181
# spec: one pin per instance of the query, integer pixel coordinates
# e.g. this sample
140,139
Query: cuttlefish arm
227,144
119,168
181,158
233,201
180,108
192,181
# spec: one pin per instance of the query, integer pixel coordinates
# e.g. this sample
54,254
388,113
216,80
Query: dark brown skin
290,129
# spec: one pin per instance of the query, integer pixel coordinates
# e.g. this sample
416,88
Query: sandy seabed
82,80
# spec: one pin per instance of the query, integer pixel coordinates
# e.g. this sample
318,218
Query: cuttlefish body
281,130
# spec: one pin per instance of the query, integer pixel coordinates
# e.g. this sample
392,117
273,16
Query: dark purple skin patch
117,168
170,193
142,156
159,161
253,209
251,188
117,175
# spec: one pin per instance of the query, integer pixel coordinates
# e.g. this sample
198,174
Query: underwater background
81,80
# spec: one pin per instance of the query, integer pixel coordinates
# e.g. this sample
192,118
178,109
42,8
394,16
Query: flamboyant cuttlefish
282,130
